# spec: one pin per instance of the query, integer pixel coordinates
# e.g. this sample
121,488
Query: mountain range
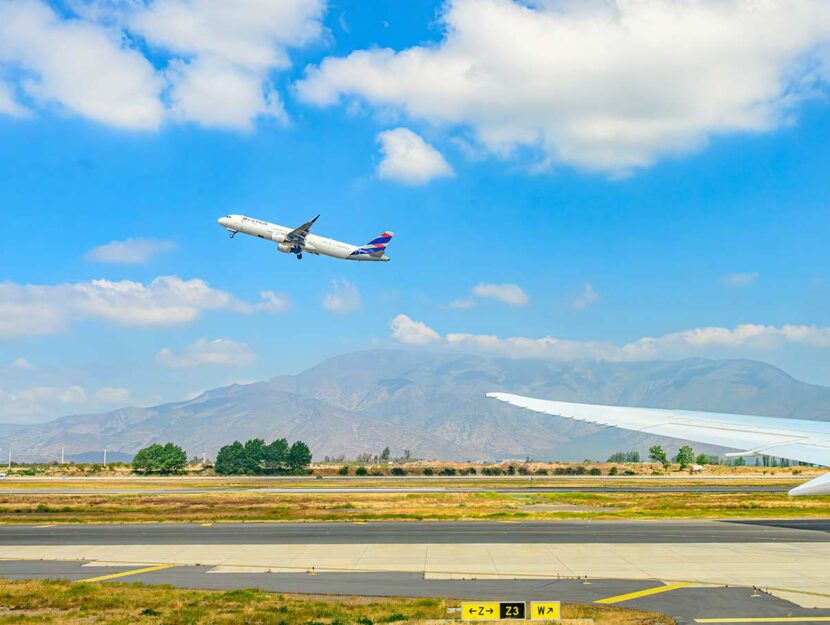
433,405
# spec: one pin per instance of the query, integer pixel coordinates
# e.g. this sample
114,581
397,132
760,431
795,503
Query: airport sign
480,611
545,610
492,610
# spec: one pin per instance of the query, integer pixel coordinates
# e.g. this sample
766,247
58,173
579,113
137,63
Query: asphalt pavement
663,531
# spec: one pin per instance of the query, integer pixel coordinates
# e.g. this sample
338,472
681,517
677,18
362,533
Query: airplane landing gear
233,234
300,256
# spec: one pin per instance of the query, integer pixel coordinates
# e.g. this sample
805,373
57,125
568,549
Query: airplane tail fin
377,246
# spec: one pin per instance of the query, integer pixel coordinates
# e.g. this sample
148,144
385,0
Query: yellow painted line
148,569
644,593
767,619
208,524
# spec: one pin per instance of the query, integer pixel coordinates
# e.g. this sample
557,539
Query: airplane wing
298,235
794,439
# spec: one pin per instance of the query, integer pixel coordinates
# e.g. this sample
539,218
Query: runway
560,532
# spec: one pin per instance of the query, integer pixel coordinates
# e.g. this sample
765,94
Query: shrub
613,471
429,471
447,471
595,471
398,471
361,471
344,470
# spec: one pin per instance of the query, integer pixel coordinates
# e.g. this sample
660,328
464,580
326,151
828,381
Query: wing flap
298,235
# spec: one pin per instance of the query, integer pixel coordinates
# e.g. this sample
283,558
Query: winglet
817,486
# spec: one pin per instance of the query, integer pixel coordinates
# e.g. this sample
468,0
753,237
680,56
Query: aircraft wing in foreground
794,439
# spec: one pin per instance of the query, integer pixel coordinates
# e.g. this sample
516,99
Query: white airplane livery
794,439
300,239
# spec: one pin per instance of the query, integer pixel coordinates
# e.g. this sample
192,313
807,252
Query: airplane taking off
300,239
794,439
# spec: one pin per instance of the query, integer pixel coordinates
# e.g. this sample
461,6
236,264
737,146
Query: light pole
62,448
105,457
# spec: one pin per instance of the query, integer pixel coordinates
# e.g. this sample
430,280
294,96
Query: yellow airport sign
545,610
480,611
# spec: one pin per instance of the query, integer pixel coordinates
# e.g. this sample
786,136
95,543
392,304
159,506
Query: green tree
299,456
656,454
254,456
275,456
702,459
384,455
156,458
625,456
685,456
231,459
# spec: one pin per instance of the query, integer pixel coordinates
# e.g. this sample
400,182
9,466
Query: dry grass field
63,603
256,506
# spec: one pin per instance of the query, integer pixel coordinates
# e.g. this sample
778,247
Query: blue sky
549,199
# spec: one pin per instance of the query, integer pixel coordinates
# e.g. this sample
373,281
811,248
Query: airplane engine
285,248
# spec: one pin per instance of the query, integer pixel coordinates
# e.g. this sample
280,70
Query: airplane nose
222,221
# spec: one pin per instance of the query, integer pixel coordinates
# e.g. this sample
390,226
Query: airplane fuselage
312,243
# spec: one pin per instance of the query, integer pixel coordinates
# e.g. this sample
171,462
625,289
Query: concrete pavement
791,561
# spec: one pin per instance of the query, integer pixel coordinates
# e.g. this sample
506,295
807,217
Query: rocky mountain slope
434,405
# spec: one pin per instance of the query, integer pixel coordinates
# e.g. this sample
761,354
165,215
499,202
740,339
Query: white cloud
129,251
462,304
22,364
224,53
608,86
409,159
48,399
66,395
588,297
112,395
271,302
740,279
223,352
511,294
215,94
84,68
410,332
344,298
217,58
8,104
31,310
753,336
742,339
